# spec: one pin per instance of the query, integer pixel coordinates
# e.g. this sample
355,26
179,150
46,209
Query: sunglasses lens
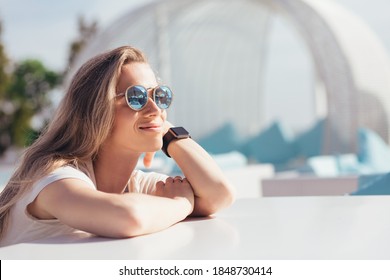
136,97
163,97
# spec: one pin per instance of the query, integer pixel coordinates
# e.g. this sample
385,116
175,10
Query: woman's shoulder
65,172
60,173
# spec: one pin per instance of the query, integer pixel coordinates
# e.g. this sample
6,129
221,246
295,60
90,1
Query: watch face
180,132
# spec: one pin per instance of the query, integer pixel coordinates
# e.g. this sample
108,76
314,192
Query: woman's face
137,131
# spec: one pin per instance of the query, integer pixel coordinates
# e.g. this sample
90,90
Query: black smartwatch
174,133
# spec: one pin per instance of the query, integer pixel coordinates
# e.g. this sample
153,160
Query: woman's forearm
145,210
211,188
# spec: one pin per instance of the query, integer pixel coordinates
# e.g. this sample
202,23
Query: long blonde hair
81,124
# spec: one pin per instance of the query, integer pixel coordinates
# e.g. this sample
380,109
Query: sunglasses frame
147,100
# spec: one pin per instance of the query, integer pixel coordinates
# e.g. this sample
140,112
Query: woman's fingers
148,158
177,178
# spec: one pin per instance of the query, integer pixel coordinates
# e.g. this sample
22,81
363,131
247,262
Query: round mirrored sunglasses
137,97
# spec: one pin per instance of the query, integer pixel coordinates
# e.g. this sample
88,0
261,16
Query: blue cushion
374,185
367,179
348,164
323,165
226,161
230,160
336,165
223,140
373,152
309,143
271,145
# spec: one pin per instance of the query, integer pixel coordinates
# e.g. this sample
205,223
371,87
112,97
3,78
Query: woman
80,173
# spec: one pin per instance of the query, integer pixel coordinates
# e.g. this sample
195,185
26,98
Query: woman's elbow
128,224
227,195
223,197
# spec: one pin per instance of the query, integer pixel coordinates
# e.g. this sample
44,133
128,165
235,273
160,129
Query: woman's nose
151,107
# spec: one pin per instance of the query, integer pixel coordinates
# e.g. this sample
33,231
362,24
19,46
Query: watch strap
174,133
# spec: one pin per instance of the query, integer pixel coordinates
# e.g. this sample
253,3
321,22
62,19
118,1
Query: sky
43,29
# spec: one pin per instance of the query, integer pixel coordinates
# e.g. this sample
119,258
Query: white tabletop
264,228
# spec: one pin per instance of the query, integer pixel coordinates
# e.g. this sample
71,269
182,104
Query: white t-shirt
23,227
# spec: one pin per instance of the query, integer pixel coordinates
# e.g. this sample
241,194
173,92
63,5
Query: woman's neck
113,169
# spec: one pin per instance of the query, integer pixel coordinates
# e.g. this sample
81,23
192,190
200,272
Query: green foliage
5,119
3,66
30,84
25,88
29,87
26,96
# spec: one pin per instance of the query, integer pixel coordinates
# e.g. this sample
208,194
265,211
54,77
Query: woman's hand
211,188
176,188
148,158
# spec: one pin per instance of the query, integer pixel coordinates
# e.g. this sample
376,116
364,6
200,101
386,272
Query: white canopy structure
213,52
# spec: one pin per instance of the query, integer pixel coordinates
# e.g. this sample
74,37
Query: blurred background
299,71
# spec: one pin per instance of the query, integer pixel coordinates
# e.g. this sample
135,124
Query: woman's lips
151,127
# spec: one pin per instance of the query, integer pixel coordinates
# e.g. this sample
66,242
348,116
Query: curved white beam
351,63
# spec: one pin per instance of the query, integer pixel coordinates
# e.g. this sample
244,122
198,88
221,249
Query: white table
264,228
